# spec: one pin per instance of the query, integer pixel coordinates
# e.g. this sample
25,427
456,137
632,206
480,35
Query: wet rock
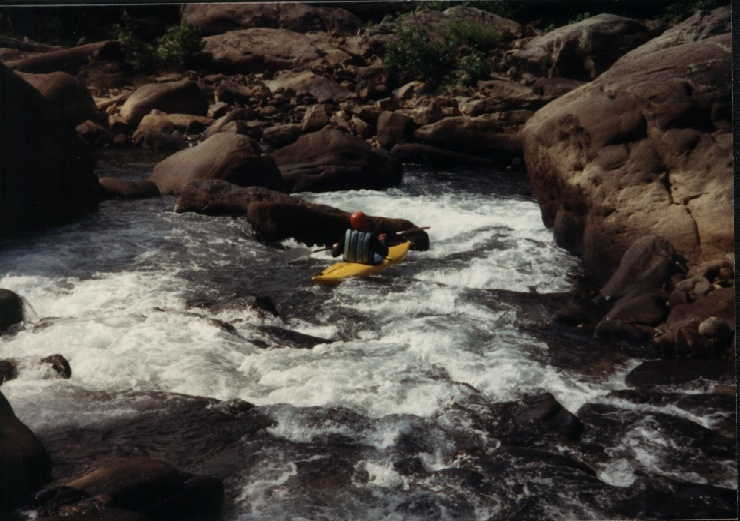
681,500
299,17
677,372
321,88
624,162
280,337
645,267
8,371
149,486
176,97
24,463
258,50
680,334
582,50
41,188
66,94
126,189
218,110
11,309
332,160
275,216
230,157
59,365
69,60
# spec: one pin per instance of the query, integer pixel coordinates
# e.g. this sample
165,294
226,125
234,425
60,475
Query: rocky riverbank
622,127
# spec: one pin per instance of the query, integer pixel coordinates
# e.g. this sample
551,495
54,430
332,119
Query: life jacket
358,247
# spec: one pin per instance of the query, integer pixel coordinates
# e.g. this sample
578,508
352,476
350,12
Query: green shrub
456,53
473,67
177,47
473,33
416,56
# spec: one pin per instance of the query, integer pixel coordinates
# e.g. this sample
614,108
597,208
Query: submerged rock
11,309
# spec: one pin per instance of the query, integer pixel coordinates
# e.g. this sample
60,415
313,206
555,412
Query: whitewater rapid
111,293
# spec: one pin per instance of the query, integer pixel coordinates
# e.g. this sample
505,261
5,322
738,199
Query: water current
114,294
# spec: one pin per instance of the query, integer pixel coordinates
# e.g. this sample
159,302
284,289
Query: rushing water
112,293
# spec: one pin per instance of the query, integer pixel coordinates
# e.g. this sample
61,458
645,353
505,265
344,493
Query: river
121,295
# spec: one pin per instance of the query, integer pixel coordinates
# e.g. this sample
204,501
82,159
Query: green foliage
474,34
473,67
457,53
177,47
416,56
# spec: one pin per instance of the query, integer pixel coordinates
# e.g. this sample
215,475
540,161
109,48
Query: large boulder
259,49
137,484
581,50
11,309
702,24
643,149
180,97
212,19
66,94
480,135
47,172
24,463
332,160
69,60
231,157
275,216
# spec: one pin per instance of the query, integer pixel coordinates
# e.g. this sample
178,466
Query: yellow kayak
342,270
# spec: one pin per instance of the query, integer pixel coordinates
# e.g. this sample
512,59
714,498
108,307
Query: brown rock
275,216
125,189
219,18
69,60
393,128
321,88
699,26
624,151
177,97
94,134
47,172
230,157
316,118
24,463
645,267
259,49
428,154
582,50
480,135
332,160
282,135
65,94
156,130
235,115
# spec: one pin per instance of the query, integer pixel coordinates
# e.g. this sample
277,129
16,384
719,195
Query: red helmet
358,221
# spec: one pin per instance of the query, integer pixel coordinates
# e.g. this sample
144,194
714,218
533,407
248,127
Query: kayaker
361,245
